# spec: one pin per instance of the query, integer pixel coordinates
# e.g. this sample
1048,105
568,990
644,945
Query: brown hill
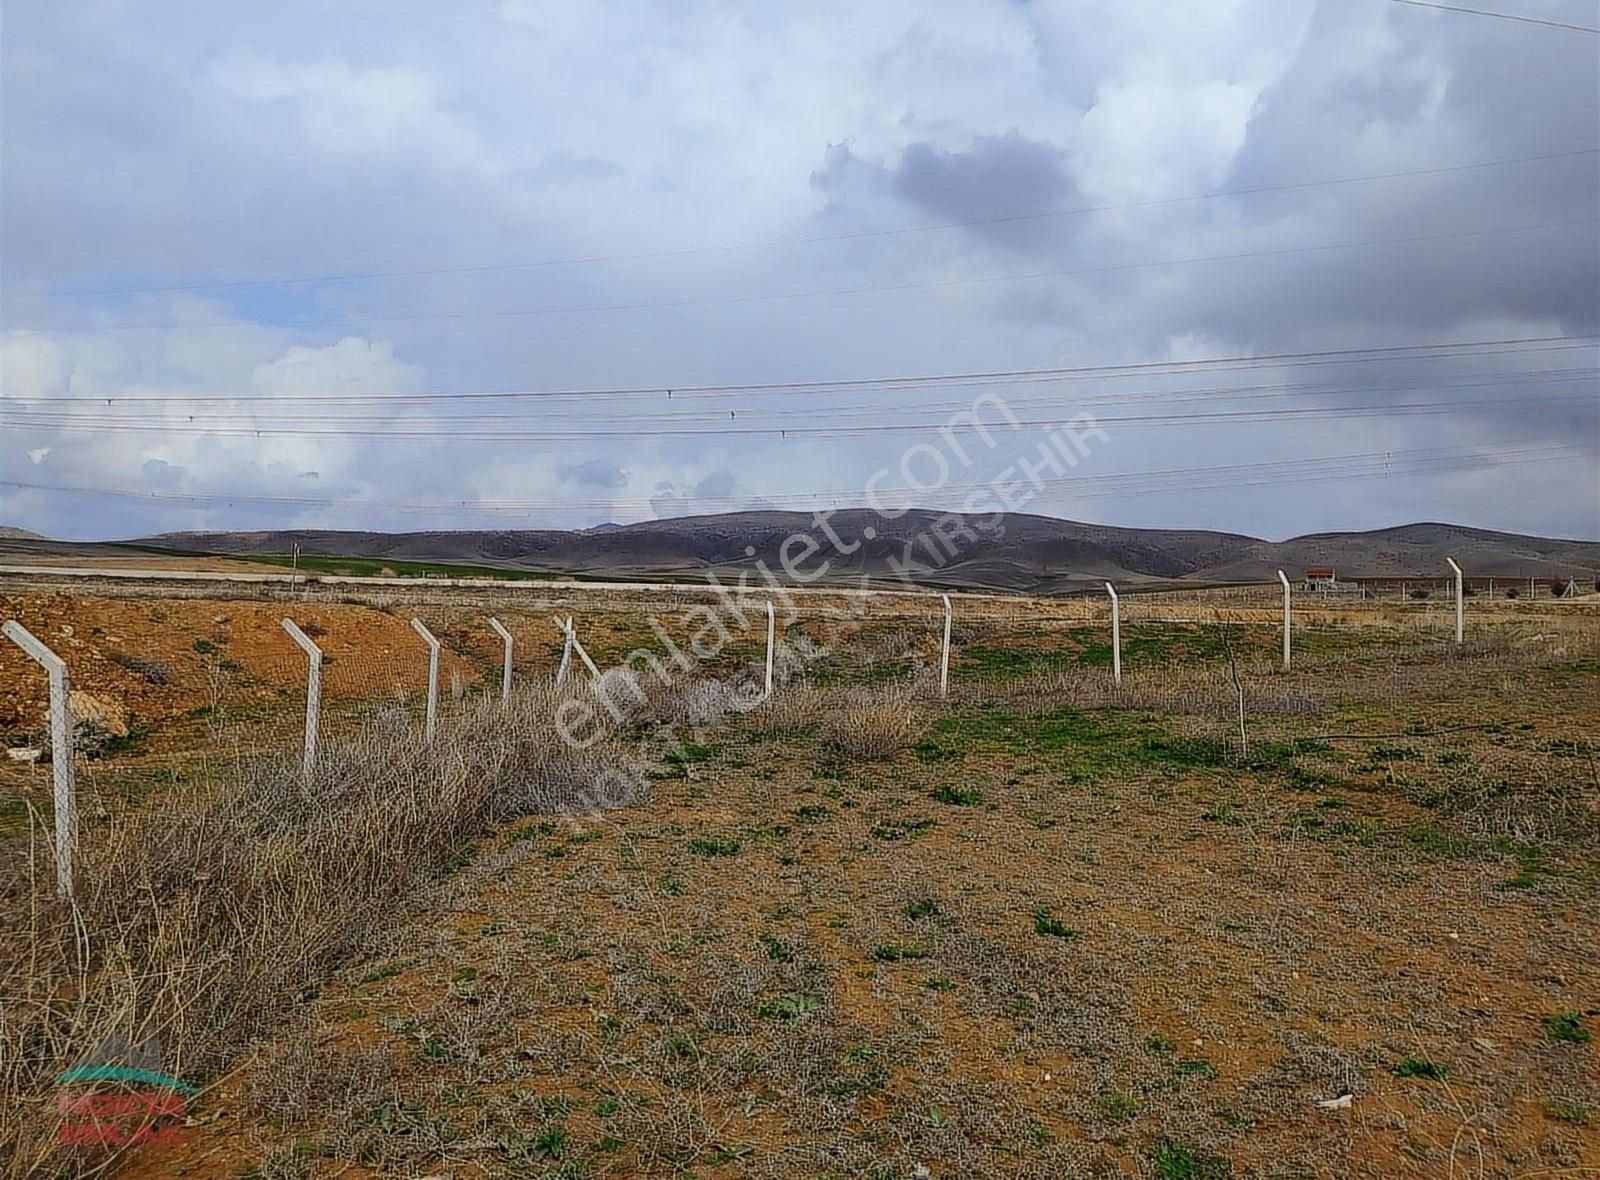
1032,553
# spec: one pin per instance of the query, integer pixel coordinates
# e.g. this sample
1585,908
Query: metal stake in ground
1284,578
66,798
505,668
433,676
313,693
944,651
1459,589
1116,634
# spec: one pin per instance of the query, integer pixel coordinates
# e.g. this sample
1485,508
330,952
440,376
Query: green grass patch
777,950
1575,1113
957,796
1567,1027
371,567
1157,1044
983,662
1411,1066
1046,924
1174,1161
1081,744
791,1007
681,757
714,846
386,971
1116,1105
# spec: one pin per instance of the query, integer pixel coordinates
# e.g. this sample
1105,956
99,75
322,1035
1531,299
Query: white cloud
324,141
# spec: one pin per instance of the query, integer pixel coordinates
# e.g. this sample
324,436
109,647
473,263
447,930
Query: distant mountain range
1038,554
1033,554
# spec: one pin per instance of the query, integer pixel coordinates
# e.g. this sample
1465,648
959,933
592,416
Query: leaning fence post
944,651
772,626
1116,634
66,796
1284,578
572,633
505,668
433,676
1459,619
573,645
313,692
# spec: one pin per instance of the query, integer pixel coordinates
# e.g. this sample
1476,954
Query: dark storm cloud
595,473
998,177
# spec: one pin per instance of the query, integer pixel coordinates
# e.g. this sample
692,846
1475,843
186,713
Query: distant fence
138,688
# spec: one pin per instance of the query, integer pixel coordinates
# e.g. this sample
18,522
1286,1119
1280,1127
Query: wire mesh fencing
170,692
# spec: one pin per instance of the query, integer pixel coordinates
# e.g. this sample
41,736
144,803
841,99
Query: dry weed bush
793,711
200,922
310,1076
863,723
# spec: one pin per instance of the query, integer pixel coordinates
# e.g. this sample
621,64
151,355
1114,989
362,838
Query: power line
1445,350
1161,481
138,415
834,292
976,223
1507,16
444,430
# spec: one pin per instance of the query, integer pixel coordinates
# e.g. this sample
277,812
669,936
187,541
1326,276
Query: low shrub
872,726
198,926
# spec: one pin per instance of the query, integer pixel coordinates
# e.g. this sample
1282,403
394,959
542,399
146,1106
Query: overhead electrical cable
1499,15
444,431
1444,350
91,411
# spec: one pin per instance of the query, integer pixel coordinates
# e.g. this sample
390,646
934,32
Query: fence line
468,637
61,747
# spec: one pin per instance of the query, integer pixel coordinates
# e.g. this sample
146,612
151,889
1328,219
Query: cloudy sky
240,244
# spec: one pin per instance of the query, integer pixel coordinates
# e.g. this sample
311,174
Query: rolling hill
1028,553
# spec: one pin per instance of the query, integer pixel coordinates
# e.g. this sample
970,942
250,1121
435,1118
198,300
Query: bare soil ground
1047,927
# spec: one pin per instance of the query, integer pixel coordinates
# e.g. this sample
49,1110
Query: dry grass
819,950
872,724
199,924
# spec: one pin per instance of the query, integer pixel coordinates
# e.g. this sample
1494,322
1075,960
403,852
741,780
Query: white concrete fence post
944,650
772,631
433,677
1460,620
1287,623
1116,634
313,693
565,627
505,667
573,645
66,796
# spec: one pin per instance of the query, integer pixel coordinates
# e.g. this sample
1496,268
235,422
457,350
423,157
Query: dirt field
1047,927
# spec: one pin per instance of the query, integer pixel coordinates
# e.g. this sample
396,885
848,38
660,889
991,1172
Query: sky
285,226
